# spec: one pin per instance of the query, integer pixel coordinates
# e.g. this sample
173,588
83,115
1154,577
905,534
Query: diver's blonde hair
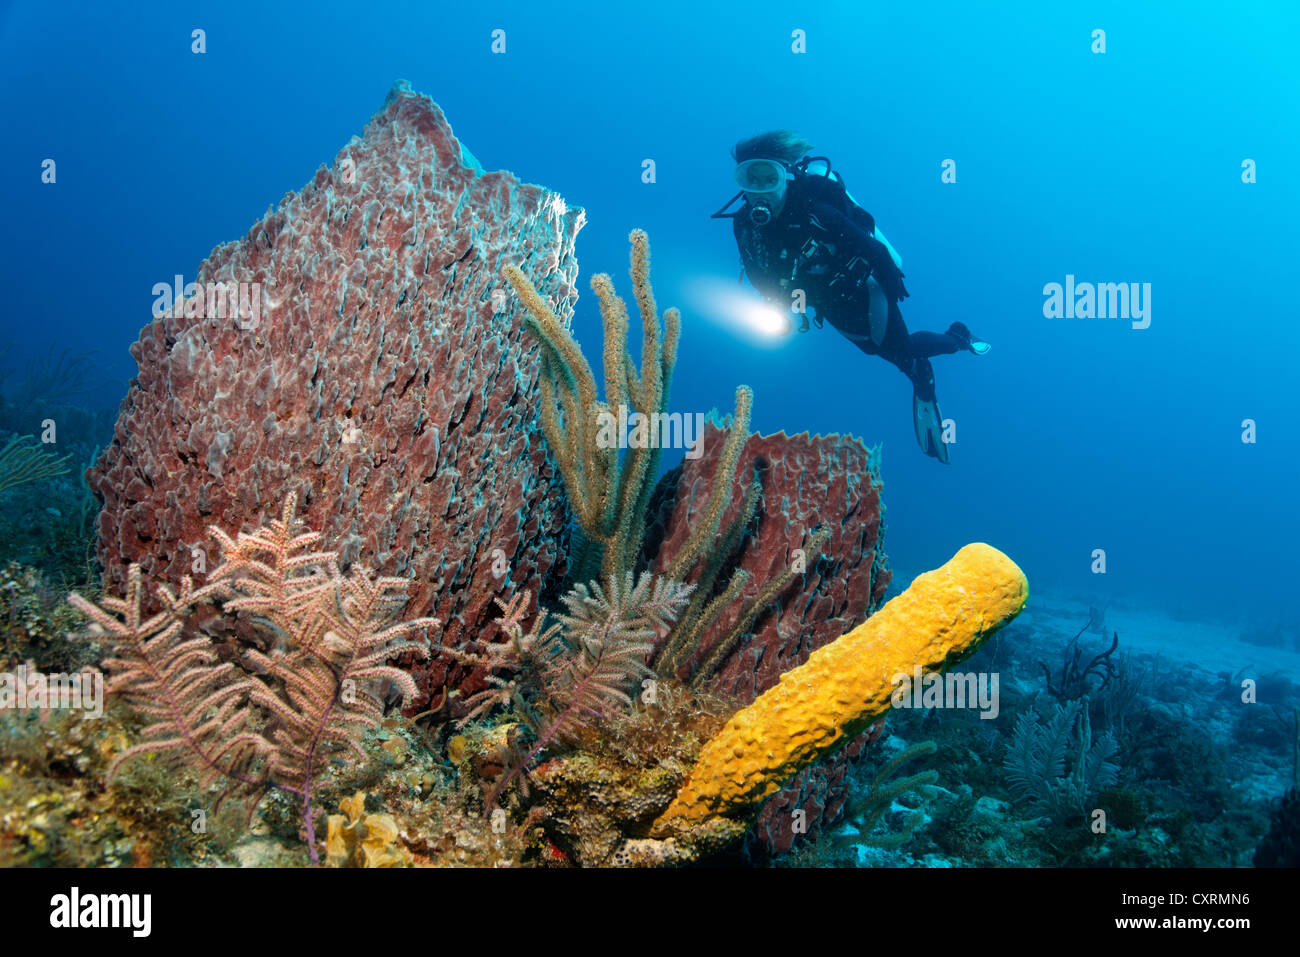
786,146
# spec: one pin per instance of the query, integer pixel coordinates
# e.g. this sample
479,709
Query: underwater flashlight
770,323
764,324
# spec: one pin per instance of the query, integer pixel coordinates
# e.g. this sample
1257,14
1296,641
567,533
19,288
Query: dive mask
763,182
761,175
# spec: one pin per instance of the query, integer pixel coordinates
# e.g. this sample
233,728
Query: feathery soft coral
562,677
332,634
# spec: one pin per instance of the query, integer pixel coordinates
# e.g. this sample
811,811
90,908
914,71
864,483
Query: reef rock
807,481
386,376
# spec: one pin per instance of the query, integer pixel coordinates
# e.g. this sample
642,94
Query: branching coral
685,639
563,676
198,704
609,496
21,463
1077,678
866,810
276,724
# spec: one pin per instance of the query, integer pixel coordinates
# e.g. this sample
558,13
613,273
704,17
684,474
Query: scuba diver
800,230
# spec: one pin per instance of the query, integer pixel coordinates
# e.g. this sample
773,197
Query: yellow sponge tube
845,686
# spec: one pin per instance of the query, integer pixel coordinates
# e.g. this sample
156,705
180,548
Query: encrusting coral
622,773
276,721
845,686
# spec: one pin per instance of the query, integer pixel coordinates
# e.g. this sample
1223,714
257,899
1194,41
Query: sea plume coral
607,634
1035,761
564,676
198,704
278,720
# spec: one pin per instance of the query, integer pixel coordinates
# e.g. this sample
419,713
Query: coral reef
702,525
35,622
845,686
47,518
447,433
595,805
385,372
47,525
54,810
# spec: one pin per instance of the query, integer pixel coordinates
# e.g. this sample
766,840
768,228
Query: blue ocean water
1124,166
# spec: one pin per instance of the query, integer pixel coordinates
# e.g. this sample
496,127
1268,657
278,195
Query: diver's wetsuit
822,243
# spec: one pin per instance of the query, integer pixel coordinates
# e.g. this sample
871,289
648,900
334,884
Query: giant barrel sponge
388,382
843,687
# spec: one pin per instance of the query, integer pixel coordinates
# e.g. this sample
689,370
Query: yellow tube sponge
845,686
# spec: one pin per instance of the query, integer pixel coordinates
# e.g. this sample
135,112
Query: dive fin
926,415
929,428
